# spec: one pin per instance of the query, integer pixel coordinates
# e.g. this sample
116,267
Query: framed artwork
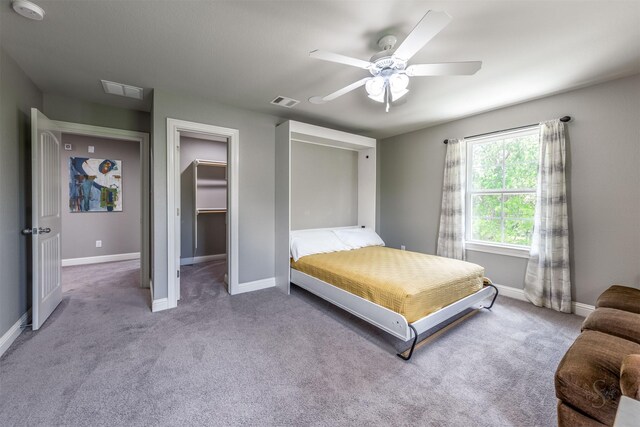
95,185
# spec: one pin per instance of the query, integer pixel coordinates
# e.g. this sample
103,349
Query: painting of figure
95,185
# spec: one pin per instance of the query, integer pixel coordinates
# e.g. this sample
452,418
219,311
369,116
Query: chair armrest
630,376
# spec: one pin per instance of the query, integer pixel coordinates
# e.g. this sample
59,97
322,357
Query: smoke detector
28,10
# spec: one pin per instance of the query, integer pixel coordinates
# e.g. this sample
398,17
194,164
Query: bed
404,293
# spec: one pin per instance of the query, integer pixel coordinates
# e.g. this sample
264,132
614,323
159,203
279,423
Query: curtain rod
564,119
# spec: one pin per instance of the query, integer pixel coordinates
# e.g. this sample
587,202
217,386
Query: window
502,174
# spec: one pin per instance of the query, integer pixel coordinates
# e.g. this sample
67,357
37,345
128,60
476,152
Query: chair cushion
620,297
620,323
569,417
630,376
588,377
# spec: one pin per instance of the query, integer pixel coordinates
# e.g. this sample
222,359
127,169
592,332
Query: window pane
486,171
502,163
487,206
519,206
521,162
518,231
486,223
519,210
488,230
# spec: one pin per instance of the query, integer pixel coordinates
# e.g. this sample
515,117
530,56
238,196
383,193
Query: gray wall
604,184
18,95
256,187
324,186
119,231
212,228
65,109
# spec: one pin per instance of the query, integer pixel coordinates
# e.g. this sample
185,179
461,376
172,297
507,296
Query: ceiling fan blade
341,59
431,24
339,92
444,69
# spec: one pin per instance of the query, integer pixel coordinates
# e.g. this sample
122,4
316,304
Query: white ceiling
244,53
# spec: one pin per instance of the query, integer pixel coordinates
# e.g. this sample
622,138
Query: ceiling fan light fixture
398,82
395,95
378,98
375,87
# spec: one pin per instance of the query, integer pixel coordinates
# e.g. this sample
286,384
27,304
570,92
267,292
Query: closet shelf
215,163
212,183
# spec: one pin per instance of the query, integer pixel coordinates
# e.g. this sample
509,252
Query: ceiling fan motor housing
386,62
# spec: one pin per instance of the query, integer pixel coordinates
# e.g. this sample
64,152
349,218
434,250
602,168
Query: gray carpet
264,358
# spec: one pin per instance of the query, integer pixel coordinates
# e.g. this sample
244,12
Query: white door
45,217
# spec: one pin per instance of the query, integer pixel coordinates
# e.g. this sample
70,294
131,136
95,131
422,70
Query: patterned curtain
547,281
451,234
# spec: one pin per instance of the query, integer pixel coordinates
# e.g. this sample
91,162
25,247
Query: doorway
214,199
203,210
47,204
101,211
93,142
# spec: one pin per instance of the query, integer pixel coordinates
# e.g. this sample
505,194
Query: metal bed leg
415,332
494,297
413,346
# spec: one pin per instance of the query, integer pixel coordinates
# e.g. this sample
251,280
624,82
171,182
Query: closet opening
195,223
204,167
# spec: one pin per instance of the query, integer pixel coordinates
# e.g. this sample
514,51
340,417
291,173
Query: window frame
480,245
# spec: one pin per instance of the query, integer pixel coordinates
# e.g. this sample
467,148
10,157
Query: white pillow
359,237
305,243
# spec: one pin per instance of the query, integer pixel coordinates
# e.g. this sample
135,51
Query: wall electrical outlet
98,243
402,248
92,149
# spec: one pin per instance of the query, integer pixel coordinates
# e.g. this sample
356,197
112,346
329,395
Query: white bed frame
385,319
379,316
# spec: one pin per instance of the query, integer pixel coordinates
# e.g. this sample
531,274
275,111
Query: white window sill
497,249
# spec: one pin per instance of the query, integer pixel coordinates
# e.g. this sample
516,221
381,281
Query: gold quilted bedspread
410,283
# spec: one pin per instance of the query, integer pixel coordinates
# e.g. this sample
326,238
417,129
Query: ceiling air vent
120,89
283,101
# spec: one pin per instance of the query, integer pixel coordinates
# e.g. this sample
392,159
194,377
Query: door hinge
178,211
178,274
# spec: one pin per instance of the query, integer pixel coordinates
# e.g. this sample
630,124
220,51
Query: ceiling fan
389,71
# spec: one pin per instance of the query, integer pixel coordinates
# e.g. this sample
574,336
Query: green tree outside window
502,188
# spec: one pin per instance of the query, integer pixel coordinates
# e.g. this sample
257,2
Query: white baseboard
509,292
160,304
14,332
100,259
163,303
256,285
204,258
577,308
581,309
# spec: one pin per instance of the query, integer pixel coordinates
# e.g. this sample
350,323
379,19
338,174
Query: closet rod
211,210
564,119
